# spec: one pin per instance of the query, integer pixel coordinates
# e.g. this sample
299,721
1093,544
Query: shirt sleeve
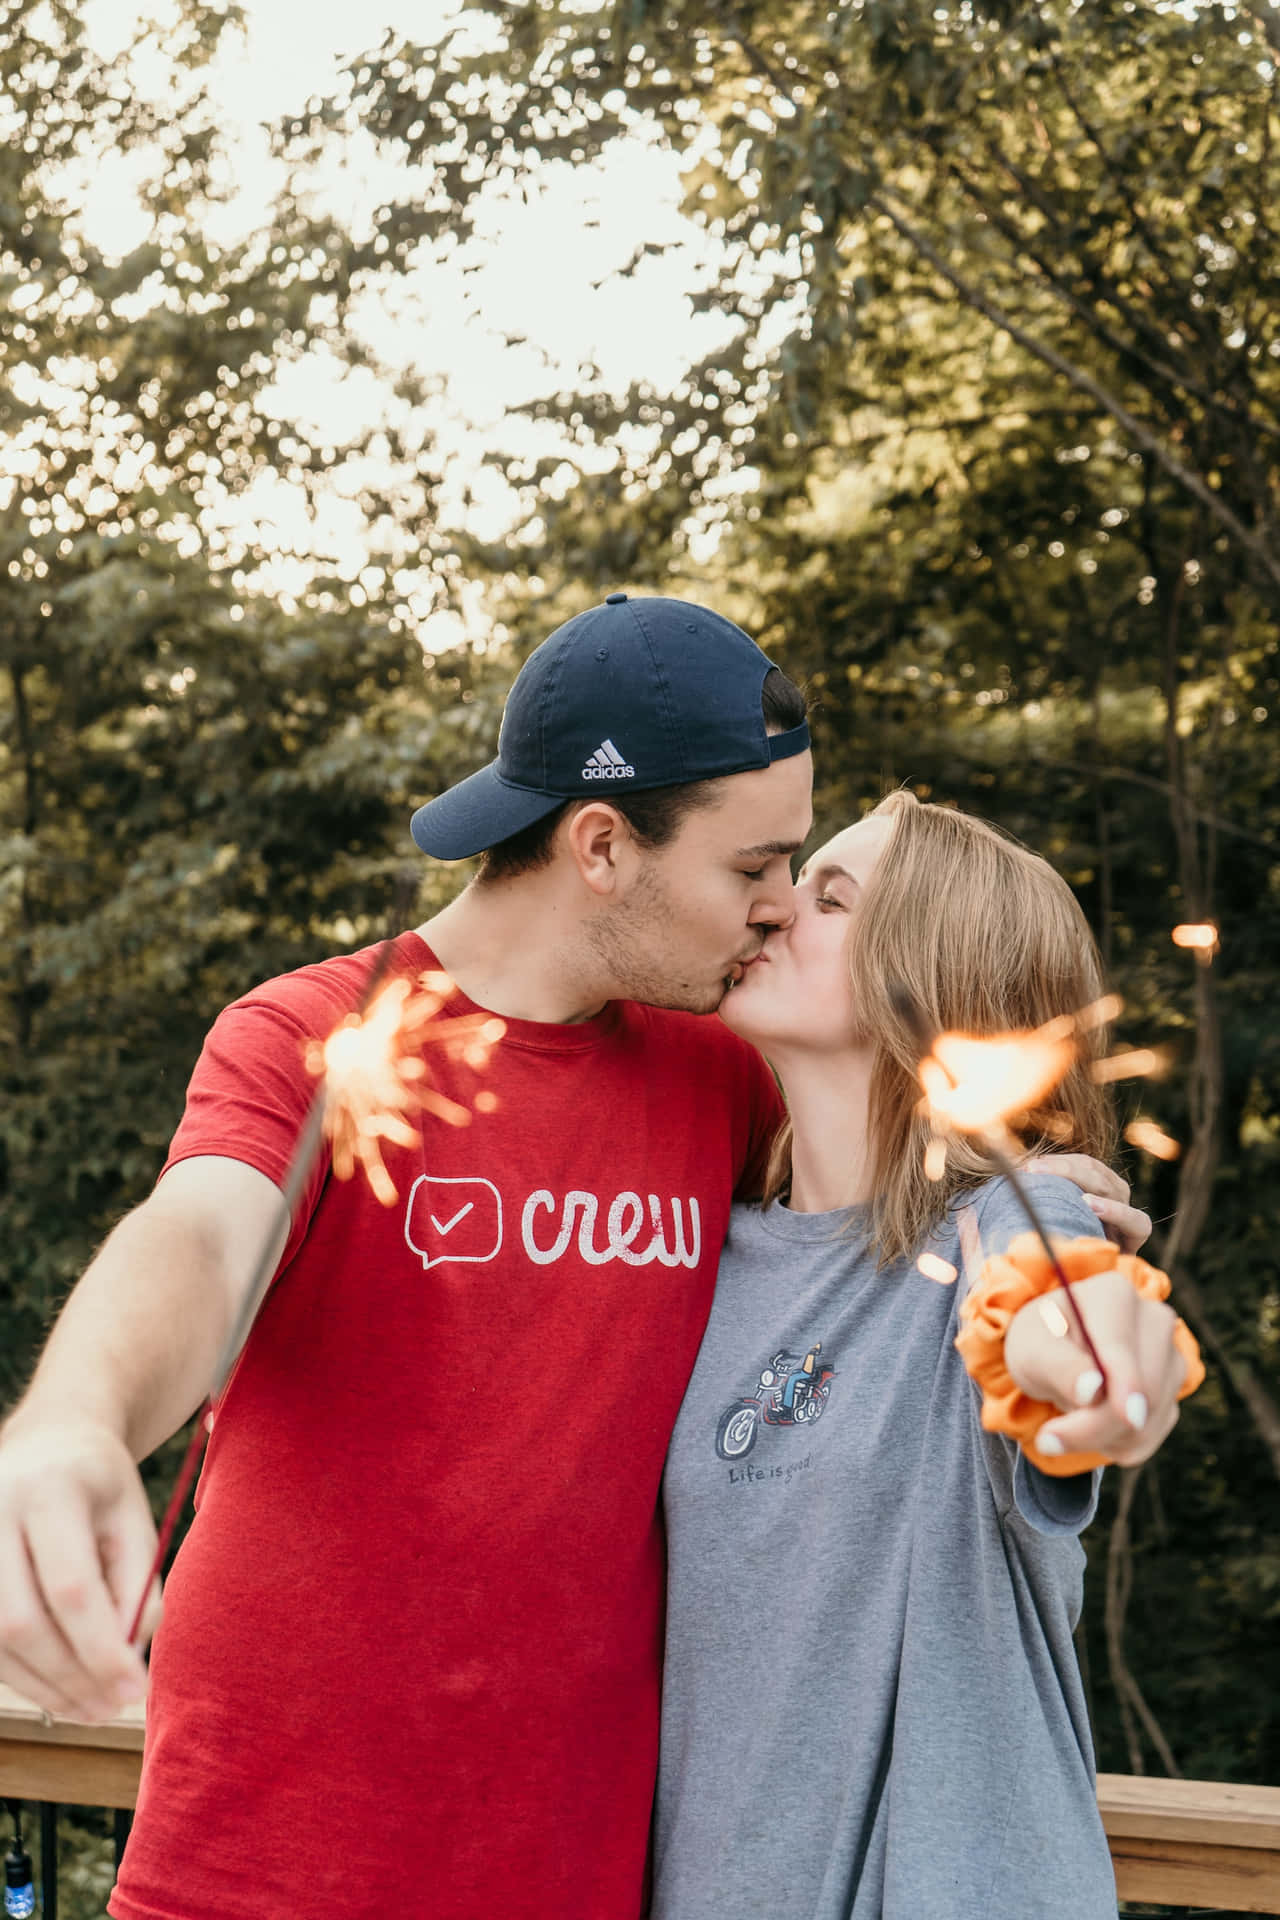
249,1097
1050,1503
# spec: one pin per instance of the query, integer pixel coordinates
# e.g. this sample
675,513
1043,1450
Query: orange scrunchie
1006,1283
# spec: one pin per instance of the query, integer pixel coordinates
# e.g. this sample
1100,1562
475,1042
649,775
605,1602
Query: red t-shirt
410,1658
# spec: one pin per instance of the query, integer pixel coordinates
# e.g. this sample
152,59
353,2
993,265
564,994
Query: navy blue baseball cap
631,695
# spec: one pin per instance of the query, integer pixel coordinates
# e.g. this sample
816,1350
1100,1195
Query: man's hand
76,1541
130,1359
1105,1193
1134,1338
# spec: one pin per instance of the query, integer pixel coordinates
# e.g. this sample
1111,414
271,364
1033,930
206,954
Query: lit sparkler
972,1085
371,1077
975,1086
374,1074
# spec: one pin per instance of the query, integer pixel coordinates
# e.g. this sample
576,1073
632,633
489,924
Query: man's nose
777,907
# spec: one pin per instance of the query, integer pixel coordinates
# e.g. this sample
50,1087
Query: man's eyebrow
767,849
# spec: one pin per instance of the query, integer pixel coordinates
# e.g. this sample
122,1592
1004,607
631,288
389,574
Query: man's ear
602,846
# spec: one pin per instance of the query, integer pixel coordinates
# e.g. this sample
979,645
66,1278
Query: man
410,1660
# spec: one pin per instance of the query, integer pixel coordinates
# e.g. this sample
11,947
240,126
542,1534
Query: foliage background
990,461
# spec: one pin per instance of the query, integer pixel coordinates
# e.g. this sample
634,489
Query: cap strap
783,745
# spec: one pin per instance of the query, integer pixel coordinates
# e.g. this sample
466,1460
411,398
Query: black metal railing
41,1892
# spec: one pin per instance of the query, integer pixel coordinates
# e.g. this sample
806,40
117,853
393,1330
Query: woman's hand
1047,1359
1105,1192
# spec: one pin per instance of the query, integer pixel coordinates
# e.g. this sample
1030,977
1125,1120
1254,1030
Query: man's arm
131,1357
1106,1194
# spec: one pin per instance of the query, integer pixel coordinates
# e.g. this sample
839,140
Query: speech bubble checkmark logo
455,1220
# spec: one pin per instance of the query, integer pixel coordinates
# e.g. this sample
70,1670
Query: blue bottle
19,1893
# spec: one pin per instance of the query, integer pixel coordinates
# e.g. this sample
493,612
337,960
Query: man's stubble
635,941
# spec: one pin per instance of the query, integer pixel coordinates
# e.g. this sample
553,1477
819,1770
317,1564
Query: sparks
1202,937
971,1085
1137,1063
970,1244
935,1158
1152,1139
375,1076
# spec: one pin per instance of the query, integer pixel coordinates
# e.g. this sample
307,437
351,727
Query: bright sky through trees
531,302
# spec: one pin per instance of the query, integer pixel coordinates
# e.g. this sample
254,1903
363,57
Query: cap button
614,599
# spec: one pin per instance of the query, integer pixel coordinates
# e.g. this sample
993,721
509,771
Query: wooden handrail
1193,1842
90,1766
1180,1842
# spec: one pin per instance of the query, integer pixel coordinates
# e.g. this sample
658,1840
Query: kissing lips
740,968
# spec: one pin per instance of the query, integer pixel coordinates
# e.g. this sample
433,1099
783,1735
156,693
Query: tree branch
1119,1587
1141,434
1137,219
1179,382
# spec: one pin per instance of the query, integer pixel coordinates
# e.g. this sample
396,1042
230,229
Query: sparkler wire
1024,1200
303,1158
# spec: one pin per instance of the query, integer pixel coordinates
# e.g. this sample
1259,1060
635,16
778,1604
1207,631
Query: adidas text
606,763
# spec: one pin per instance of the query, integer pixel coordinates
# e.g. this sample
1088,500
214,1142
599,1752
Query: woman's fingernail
1092,1200
1049,1443
1087,1386
1135,1411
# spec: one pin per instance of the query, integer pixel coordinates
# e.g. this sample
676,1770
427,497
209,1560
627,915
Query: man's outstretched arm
131,1357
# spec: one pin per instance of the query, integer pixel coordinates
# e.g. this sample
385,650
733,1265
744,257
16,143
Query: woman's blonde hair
983,937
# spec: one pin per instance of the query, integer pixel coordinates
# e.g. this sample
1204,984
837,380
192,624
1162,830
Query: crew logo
672,1243
606,763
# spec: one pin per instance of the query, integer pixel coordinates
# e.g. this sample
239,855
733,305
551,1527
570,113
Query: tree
202,781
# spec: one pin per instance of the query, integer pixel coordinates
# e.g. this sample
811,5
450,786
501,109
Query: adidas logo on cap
606,763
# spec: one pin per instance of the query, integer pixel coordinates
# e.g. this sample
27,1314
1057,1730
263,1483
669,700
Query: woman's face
797,991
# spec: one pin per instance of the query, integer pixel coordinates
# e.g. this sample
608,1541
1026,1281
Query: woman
872,1709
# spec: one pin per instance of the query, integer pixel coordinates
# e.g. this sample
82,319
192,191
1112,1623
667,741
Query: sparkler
370,1076
972,1086
373,1075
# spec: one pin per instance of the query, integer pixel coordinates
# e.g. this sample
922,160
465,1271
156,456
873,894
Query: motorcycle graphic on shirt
793,1391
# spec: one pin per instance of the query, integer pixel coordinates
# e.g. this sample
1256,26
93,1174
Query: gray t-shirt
871,1706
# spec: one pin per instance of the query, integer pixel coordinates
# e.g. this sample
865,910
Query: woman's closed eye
828,900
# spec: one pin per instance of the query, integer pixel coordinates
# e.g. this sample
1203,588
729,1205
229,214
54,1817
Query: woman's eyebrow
830,871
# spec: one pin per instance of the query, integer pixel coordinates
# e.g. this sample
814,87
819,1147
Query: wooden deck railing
83,1766
1193,1843
1174,1842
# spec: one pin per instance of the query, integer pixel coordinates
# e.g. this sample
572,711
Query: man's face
699,908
